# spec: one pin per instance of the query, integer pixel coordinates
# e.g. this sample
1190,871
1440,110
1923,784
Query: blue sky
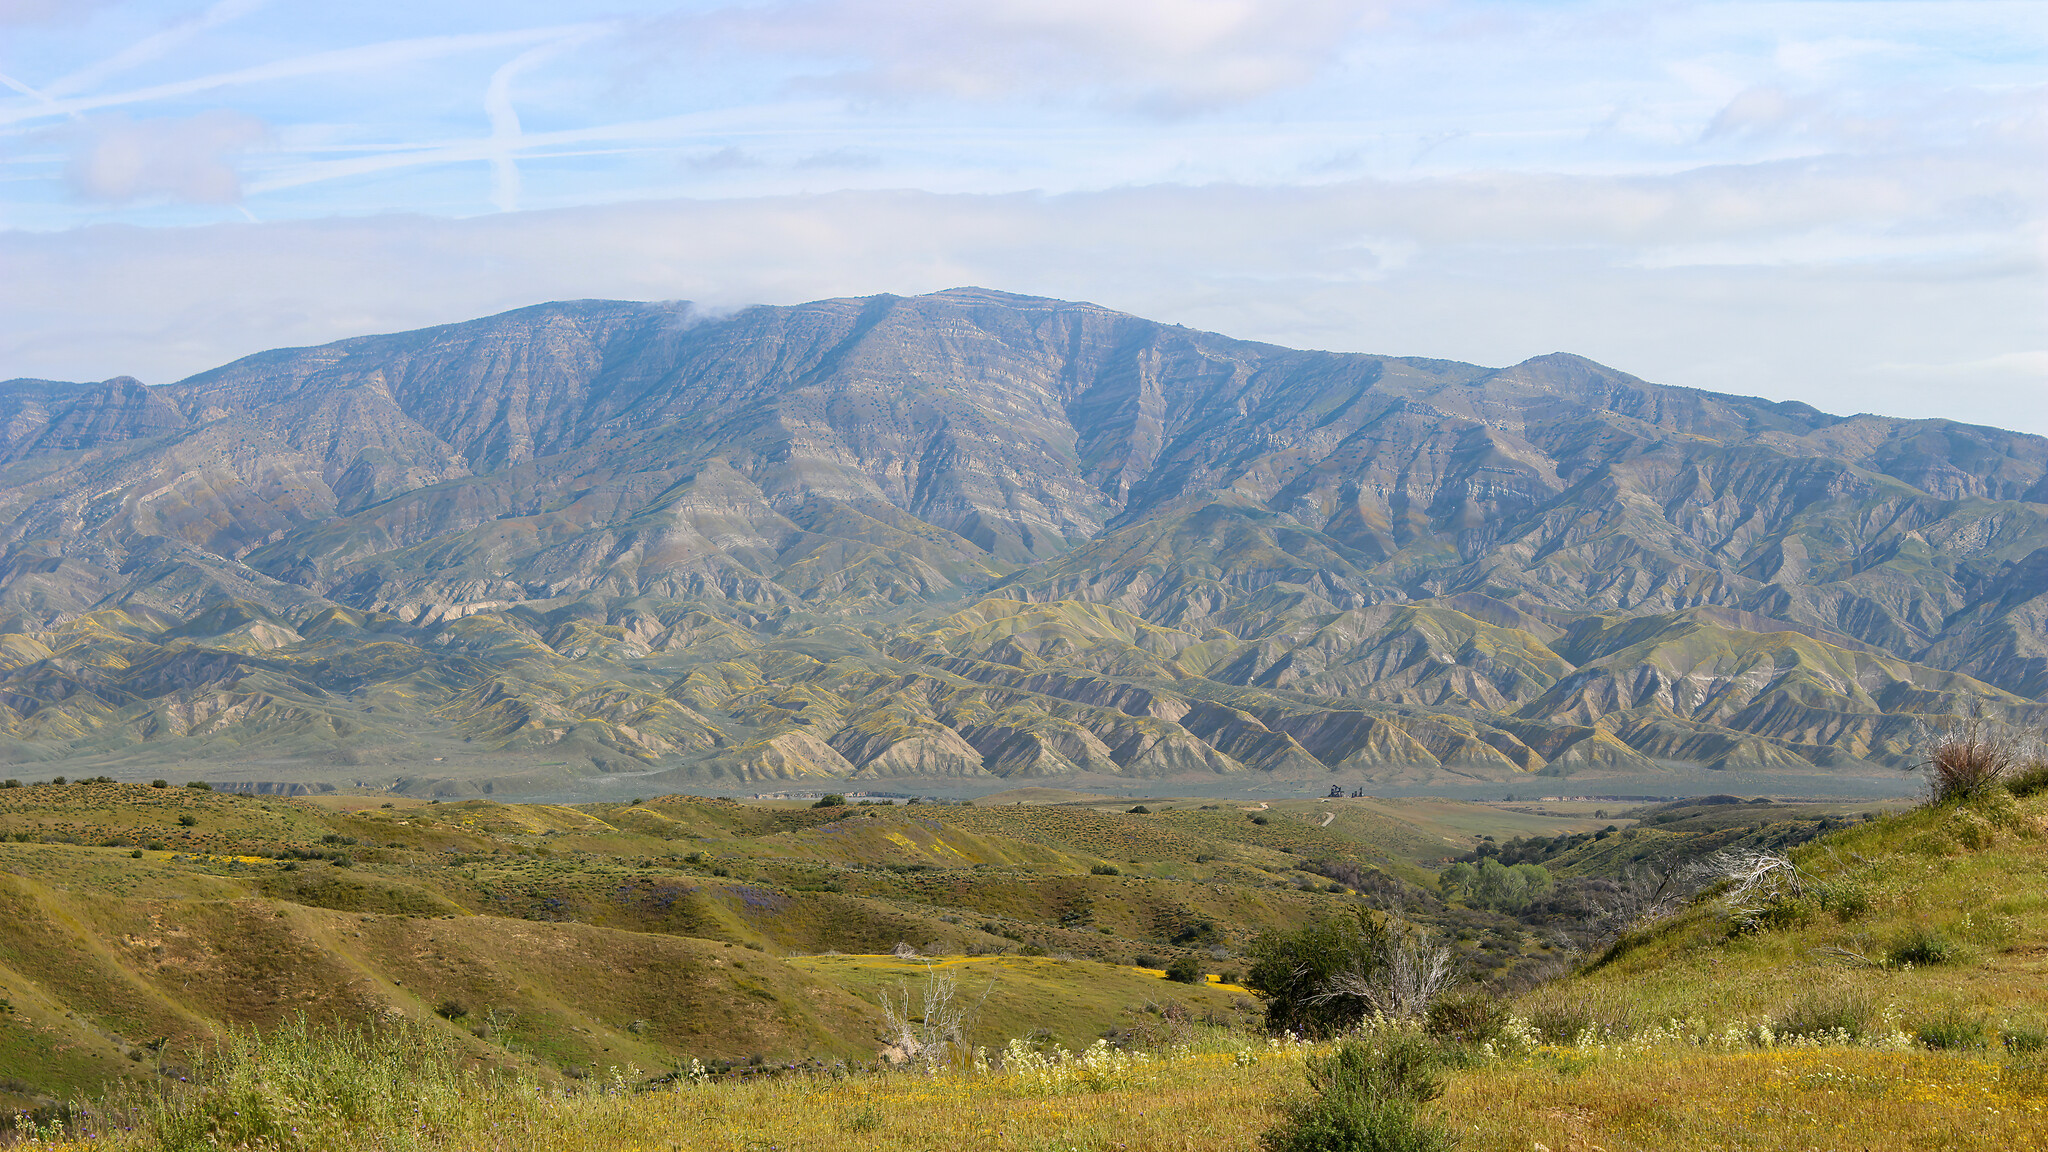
1841,203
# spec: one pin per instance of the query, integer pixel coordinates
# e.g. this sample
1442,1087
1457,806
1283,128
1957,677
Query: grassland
1887,994
137,922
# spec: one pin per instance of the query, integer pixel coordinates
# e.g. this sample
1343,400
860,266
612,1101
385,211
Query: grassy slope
1975,873
557,927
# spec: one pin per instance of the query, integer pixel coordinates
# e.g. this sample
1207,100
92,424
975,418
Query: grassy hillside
137,922
1882,991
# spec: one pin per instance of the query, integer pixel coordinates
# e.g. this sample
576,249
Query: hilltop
985,539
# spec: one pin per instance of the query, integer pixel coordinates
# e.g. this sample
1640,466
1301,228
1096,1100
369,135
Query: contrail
343,60
152,47
505,134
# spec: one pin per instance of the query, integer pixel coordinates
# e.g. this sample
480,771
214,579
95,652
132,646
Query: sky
1841,203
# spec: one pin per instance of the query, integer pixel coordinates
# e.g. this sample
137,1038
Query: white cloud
1359,266
192,160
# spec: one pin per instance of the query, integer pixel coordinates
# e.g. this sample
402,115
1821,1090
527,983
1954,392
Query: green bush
1104,870
2029,780
305,1088
1921,946
1561,1014
1952,1031
199,785
2024,1039
830,800
1185,970
1292,970
1845,899
187,820
1826,1015
1470,1018
159,783
1364,1098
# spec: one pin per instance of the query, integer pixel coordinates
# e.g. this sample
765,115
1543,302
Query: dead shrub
1970,760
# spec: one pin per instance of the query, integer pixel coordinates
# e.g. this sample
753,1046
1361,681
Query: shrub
199,785
1826,1015
187,820
1467,1018
1364,1098
1147,960
2030,780
137,854
1258,819
58,780
1324,978
1921,946
1968,762
451,1010
10,783
1185,970
1561,1015
1846,899
833,800
1104,870
159,783
2024,1039
303,1088
1952,1031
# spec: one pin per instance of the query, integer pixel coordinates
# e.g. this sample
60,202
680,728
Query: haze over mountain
977,535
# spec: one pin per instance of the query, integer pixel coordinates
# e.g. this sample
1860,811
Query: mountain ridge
534,530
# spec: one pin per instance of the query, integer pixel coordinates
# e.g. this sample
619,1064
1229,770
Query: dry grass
1666,1100
1804,1098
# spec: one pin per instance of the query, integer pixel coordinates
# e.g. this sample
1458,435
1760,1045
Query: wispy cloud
152,47
368,57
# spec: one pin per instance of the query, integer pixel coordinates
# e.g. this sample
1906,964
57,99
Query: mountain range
974,535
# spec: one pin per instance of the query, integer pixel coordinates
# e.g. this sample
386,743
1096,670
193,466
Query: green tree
1457,879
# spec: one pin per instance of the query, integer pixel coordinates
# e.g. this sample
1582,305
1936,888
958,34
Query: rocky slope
975,534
